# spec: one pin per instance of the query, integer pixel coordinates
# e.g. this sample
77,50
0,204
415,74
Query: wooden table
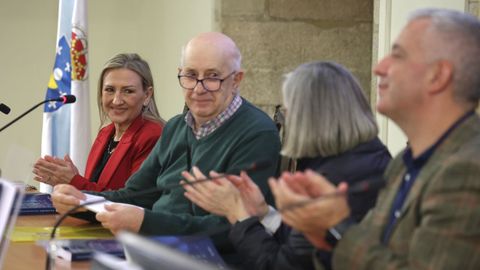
30,256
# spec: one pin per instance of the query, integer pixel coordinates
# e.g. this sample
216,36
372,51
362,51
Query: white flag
66,129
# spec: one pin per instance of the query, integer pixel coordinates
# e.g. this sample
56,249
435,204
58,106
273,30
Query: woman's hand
318,215
54,171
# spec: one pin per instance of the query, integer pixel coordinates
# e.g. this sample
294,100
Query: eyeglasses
210,84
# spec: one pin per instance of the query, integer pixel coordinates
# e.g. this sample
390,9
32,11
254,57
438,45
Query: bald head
214,60
218,45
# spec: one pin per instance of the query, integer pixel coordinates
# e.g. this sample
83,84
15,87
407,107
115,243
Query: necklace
111,146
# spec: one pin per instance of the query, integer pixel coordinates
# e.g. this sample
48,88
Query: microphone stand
133,195
358,188
255,166
64,99
23,114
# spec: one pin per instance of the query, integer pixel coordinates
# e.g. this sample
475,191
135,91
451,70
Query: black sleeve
285,249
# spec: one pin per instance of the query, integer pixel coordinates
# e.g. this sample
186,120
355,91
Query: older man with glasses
220,132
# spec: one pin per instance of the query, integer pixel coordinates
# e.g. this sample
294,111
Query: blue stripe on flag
60,81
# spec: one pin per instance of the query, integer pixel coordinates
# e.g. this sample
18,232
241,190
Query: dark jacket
288,249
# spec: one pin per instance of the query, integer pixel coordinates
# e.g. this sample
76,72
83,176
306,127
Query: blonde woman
130,124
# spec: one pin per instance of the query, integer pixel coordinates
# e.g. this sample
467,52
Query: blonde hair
135,63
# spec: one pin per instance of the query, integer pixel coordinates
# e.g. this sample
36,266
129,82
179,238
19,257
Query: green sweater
248,136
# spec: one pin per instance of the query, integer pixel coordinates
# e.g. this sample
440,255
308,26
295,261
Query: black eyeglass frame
179,76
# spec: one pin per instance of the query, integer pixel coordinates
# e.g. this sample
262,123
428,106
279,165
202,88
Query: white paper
95,207
100,206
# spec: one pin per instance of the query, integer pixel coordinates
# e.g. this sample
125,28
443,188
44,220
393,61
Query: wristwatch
335,233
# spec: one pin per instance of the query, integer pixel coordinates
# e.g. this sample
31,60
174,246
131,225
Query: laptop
150,254
11,196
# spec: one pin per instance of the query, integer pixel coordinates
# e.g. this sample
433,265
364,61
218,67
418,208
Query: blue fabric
59,84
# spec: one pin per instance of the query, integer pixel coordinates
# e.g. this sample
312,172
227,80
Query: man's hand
65,197
218,196
119,217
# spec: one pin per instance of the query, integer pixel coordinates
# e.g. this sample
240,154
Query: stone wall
275,36
473,6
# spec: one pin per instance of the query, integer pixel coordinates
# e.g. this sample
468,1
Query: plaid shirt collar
210,126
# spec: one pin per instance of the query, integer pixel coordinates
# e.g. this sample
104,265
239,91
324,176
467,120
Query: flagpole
66,129
80,121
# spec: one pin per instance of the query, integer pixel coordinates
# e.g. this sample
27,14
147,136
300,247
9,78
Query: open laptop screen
150,254
11,196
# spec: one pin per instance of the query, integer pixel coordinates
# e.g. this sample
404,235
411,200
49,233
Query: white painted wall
392,17
156,29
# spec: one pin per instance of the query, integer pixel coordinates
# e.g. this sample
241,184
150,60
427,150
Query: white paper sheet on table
100,206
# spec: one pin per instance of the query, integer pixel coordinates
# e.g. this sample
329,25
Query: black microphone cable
358,188
64,99
254,167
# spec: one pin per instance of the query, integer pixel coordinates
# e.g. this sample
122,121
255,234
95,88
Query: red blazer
132,149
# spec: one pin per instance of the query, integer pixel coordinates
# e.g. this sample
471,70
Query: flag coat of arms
66,129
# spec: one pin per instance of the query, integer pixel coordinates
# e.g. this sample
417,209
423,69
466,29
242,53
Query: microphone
259,165
64,99
4,108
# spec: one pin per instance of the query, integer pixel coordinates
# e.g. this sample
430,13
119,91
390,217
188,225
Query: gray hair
457,40
135,63
327,112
